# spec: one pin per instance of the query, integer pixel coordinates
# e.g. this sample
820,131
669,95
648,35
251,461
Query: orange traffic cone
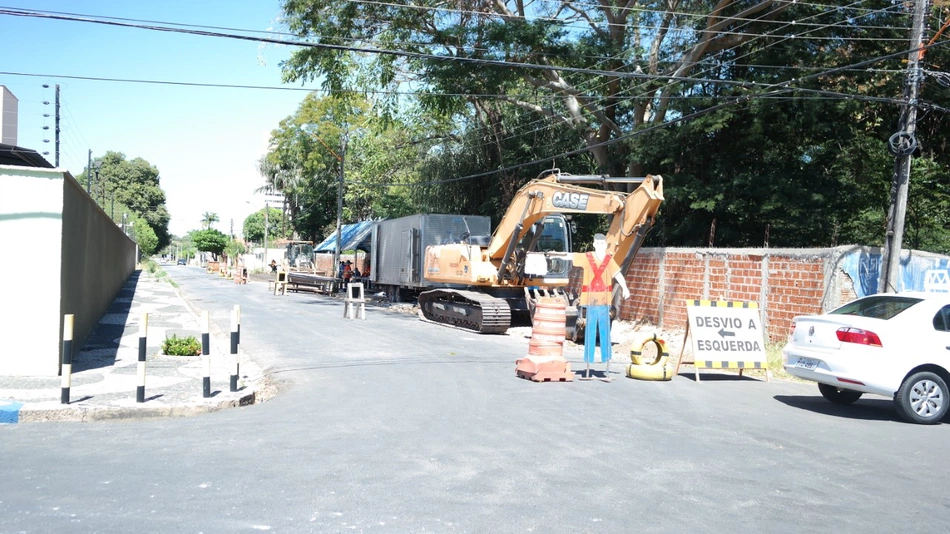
545,361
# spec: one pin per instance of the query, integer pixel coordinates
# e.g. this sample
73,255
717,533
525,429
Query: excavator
512,266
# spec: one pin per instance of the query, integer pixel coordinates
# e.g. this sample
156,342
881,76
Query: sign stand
679,361
724,335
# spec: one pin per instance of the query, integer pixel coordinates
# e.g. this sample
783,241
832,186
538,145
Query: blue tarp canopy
352,237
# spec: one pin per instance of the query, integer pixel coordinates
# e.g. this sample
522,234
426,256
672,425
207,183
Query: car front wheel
839,395
922,398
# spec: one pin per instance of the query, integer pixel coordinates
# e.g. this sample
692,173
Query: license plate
806,363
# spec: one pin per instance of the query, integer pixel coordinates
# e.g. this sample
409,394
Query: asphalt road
395,425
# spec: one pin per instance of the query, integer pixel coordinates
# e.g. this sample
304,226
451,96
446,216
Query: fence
785,282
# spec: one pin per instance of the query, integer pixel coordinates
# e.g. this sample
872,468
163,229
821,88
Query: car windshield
879,307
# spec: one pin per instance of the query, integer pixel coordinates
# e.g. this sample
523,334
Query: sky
204,141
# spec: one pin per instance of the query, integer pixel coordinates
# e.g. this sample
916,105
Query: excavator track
468,310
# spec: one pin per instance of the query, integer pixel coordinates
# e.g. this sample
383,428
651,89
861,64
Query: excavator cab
546,247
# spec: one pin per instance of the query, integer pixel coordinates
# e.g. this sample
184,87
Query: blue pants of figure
598,320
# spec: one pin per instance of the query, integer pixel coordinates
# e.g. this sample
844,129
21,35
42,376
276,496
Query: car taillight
859,336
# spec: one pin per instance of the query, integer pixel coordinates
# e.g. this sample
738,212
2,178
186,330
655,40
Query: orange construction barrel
545,361
547,332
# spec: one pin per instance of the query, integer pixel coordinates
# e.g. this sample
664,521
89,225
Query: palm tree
208,219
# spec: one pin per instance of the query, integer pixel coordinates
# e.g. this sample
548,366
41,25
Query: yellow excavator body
503,262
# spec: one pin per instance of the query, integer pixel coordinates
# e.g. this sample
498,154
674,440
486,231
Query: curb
83,414
264,388
259,388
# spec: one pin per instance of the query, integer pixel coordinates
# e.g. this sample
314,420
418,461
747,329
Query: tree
233,249
469,53
145,237
132,186
765,128
210,240
209,218
253,228
303,161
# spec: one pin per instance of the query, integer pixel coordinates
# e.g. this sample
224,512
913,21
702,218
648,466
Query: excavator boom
560,193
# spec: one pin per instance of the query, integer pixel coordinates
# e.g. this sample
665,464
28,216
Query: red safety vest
599,281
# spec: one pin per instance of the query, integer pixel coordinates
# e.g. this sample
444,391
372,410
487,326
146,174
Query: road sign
726,335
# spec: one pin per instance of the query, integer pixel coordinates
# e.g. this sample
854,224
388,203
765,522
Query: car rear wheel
922,398
839,395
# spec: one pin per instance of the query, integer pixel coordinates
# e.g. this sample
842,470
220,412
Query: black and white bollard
206,354
67,370
234,349
238,308
143,335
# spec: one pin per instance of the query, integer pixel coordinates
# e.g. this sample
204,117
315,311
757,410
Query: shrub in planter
181,346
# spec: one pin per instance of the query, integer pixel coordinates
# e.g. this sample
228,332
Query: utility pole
902,145
339,204
89,173
264,260
57,126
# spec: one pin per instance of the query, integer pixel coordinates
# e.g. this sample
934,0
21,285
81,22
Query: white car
896,345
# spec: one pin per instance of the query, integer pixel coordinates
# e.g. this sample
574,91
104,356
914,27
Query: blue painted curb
10,411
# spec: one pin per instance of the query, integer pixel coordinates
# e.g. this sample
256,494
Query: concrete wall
97,259
77,261
785,282
253,260
31,206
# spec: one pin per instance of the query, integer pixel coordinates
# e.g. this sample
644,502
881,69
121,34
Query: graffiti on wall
917,273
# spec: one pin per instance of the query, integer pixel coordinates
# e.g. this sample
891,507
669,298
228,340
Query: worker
347,272
600,270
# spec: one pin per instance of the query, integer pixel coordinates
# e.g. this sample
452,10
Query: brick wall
785,283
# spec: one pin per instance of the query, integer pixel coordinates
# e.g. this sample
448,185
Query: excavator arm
632,214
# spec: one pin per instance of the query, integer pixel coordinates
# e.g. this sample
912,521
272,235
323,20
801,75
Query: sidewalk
105,375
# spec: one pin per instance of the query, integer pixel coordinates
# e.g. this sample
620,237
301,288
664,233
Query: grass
181,346
773,355
154,268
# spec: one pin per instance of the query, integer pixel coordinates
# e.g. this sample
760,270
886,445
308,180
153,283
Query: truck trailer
398,249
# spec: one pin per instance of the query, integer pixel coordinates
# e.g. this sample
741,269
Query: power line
651,92
400,53
342,48
614,74
592,7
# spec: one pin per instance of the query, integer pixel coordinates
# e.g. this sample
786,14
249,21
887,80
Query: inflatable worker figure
600,270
